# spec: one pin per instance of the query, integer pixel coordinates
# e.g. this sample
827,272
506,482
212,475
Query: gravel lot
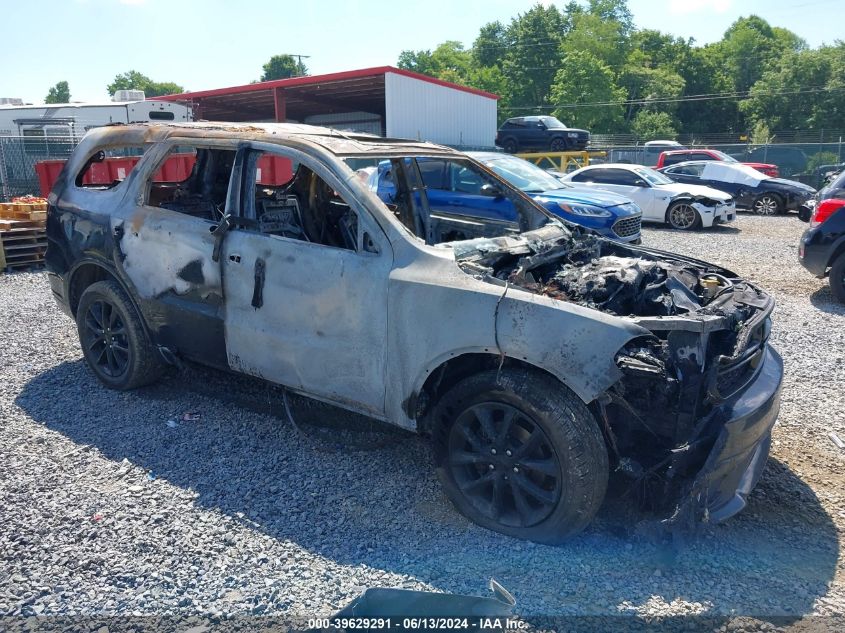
109,510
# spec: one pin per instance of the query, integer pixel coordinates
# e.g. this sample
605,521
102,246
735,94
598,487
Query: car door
166,246
300,312
461,206
623,182
689,174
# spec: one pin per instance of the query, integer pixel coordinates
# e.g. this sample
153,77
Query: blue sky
213,43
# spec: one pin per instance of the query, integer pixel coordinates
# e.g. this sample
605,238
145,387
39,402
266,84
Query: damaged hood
630,282
699,191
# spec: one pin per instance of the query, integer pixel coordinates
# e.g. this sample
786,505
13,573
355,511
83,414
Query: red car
681,155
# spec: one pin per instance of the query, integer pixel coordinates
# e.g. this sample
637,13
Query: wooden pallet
22,244
36,212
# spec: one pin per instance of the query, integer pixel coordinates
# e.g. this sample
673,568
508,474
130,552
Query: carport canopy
298,97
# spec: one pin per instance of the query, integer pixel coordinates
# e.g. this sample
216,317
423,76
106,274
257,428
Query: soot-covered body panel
669,354
691,416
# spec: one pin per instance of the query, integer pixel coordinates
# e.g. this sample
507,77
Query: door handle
258,287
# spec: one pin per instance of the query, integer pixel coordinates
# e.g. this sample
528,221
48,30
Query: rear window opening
109,166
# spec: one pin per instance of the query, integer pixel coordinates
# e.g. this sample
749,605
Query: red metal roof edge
313,79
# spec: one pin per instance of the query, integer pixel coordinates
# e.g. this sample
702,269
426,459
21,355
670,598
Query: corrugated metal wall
354,121
430,112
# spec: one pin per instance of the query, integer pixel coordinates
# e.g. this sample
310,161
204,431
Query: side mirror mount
491,191
218,233
639,182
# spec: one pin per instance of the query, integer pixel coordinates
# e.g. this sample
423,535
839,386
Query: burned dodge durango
539,357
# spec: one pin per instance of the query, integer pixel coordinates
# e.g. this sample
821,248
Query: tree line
588,65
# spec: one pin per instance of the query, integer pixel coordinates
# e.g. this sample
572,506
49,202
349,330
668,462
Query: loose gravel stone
108,509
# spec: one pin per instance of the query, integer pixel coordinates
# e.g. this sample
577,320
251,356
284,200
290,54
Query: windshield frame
557,123
652,177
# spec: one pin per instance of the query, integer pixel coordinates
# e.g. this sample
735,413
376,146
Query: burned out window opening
409,188
108,167
202,192
304,207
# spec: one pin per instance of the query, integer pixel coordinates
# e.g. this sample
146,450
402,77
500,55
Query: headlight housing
583,209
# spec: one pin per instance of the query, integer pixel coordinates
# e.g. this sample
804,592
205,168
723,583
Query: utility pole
298,58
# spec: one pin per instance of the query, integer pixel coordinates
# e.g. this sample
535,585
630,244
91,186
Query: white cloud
681,7
133,2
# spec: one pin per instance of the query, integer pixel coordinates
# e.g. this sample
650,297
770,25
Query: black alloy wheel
504,464
105,338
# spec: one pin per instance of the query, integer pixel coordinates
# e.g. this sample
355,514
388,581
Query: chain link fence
808,156
18,155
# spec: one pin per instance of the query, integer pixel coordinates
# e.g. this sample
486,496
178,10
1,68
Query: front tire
683,216
836,279
767,204
114,342
558,145
520,454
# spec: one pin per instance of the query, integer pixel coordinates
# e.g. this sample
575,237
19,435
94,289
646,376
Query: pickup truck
683,155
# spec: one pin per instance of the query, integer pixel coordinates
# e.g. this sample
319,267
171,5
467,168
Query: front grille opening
627,227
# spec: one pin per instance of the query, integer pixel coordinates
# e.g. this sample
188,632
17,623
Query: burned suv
536,355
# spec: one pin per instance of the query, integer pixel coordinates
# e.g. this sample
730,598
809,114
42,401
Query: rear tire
767,204
511,146
114,342
520,455
836,279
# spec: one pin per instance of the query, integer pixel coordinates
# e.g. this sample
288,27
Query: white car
661,199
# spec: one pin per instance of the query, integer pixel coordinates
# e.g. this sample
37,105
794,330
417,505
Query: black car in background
750,188
541,133
822,247
834,189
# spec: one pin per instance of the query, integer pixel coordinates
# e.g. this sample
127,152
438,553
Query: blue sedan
448,191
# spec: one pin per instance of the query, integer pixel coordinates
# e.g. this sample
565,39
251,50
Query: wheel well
84,276
451,372
839,252
773,194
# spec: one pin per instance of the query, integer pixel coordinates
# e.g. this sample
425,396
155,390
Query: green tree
644,84
282,67
491,45
532,59
585,79
806,91
651,126
704,73
60,93
133,80
606,39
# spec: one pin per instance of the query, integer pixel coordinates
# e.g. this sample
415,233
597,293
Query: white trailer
73,120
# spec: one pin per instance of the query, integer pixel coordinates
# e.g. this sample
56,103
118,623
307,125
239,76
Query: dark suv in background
542,133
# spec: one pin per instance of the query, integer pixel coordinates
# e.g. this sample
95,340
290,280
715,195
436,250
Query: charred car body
537,355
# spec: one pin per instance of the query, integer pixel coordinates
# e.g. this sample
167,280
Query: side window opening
303,207
108,167
193,181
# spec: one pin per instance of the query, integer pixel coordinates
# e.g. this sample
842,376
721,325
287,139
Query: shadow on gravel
823,300
378,504
716,229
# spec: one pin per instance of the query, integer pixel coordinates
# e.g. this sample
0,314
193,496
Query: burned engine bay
708,335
